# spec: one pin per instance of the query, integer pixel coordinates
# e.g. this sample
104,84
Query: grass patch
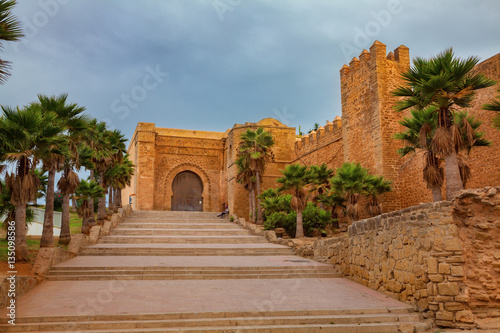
33,242
33,247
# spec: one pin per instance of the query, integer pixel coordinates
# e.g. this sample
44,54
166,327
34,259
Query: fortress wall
368,119
201,155
323,146
485,161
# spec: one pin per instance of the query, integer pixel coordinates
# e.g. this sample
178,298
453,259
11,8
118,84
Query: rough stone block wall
477,215
323,146
145,167
440,257
485,161
368,120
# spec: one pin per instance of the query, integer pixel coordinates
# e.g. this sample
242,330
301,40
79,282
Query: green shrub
313,218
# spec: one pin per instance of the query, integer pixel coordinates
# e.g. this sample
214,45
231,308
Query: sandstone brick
454,306
457,271
436,277
448,289
432,265
445,315
465,316
444,268
483,236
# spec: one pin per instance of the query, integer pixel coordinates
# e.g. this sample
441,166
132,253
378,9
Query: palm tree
351,181
470,137
245,176
71,122
445,82
296,178
494,106
42,190
377,186
85,191
10,30
418,136
8,210
321,176
256,146
118,177
21,131
67,185
114,151
336,202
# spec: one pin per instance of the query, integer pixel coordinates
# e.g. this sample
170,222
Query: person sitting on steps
221,215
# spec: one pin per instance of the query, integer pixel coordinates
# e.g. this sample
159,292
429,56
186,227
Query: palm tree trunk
259,209
91,200
117,198
101,210
453,181
436,194
73,204
250,207
47,239
111,206
35,201
85,226
254,216
21,246
120,196
65,236
299,233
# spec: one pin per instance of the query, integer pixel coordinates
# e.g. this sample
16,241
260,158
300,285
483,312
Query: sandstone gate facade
363,134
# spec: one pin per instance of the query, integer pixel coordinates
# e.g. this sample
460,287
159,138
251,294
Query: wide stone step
355,322
184,270
176,220
185,252
178,232
173,225
105,277
184,239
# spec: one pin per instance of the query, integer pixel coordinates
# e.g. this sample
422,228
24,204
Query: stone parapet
442,258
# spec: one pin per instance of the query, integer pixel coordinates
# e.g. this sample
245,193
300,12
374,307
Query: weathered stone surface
444,315
465,316
94,234
270,235
77,243
449,289
106,227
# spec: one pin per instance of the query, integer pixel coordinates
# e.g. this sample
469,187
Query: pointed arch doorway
187,192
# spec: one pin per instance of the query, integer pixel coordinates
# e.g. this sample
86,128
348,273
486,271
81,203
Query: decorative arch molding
207,186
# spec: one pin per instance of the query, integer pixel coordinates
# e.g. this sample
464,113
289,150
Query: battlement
323,136
377,56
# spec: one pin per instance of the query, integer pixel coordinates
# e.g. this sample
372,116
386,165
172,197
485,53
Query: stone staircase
193,272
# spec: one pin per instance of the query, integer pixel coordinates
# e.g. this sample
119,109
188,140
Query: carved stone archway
167,198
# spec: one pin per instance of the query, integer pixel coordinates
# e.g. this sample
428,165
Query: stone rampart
322,146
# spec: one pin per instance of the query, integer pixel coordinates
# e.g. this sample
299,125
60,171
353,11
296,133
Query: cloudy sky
208,64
